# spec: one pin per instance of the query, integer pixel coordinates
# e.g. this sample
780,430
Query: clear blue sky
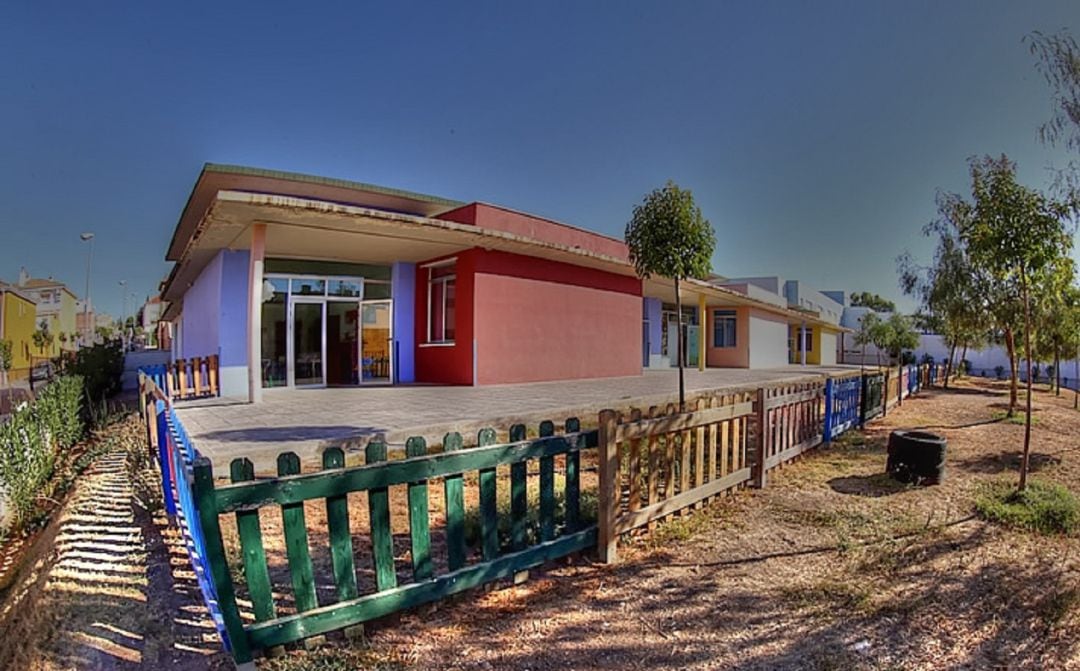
813,134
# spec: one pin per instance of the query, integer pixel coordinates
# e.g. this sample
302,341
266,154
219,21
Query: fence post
829,417
164,462
206,505
760,418
610,495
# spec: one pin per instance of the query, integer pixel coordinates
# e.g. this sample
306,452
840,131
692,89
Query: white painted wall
768,342
828,348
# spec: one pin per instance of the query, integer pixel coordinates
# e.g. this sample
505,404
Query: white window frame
734,317
444,280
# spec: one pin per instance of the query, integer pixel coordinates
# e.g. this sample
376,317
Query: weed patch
1043,507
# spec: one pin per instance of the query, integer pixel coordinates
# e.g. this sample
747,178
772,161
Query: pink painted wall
529,226
729,357
541,320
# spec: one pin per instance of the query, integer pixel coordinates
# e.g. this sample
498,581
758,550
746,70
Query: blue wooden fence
176,455
842,405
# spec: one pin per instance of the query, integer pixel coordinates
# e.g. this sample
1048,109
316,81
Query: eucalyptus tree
1019,238
668,236
1058,60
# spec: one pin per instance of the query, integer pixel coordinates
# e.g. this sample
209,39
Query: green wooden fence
560,528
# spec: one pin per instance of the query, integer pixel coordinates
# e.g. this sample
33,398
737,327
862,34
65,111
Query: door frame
390,340
290,341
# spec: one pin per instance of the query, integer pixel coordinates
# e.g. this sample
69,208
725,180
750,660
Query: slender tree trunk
1027,355
679,348
963,358
1057,369
1010,348
949,364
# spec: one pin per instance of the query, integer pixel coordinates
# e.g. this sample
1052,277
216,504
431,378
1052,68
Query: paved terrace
307,420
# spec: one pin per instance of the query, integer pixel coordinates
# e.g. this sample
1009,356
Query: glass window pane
308,287
435,295
275,290
376,290
443,271
346,288
450,311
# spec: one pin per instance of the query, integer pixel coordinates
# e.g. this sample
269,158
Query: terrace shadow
292,433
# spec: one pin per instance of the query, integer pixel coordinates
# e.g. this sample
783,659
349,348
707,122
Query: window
724,322
809,340
441,302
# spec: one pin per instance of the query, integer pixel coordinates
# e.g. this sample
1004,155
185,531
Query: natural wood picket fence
187,378
651,464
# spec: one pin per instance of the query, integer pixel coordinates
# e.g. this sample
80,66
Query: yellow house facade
18,320
56,307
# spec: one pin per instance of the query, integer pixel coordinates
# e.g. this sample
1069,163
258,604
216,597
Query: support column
802,343
255,282
703,332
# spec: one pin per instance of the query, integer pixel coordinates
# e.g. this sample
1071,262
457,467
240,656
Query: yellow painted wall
813,356
64,321
20,320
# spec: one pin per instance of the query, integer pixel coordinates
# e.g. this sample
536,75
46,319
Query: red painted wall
447,364
543,320
545,230
532,320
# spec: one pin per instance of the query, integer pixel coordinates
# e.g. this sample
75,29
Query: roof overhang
317,229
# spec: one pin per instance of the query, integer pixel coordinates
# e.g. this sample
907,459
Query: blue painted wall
403,291
232,328
656,328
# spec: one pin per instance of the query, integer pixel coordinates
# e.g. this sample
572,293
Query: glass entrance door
376,354
308,351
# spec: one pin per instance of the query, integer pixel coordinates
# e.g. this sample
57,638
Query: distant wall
768,340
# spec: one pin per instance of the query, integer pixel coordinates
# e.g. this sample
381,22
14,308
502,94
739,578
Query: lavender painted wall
652,313
201,313
403,291
234,304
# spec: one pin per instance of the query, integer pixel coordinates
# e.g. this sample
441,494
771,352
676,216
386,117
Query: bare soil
832,566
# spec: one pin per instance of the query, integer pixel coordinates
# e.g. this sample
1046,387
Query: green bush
1044,507
31,440
102,368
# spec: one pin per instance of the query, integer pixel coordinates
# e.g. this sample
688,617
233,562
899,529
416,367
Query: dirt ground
832,566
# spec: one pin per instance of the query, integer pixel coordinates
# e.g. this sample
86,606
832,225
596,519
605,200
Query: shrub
1044,507
102,368
999,370
31,440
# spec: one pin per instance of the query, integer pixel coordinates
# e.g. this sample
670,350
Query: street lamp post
123,313
87,327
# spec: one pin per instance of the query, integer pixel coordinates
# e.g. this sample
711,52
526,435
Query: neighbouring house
301,281
154,332
56,307
18,321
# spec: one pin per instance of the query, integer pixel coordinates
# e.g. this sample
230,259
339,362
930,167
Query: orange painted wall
541,320
729,357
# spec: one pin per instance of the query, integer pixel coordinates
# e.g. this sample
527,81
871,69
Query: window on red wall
441,304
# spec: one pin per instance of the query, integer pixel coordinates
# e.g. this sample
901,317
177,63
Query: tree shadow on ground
873,486
1006,461
957,427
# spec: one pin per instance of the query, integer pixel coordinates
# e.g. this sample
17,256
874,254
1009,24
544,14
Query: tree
42,337
873,301
868,334
1058,60
668,236
1018,236
5,362
898,335
949,289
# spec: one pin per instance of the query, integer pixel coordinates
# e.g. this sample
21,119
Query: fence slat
382,538
547,487
419,526
519,493
489,512
454,495
296,540
635,447
252,550
573,479
653,447
337,523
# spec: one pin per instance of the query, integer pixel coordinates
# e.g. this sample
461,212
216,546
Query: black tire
916,457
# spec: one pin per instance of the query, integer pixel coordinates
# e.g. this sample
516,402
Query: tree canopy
668,236
872,301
